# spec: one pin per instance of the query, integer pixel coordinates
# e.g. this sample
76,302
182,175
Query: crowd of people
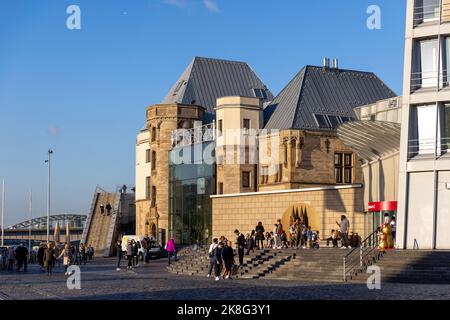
48,256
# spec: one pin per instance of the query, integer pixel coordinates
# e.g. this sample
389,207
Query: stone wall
243,212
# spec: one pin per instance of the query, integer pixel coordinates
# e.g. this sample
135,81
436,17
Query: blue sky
83,92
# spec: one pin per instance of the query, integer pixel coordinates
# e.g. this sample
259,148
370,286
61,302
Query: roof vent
335,63
326,63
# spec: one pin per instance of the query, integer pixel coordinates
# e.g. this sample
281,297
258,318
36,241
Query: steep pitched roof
328,92
207,79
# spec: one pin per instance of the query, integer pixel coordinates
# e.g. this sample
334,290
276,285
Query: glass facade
191,184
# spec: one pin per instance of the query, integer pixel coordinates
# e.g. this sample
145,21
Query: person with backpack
240,243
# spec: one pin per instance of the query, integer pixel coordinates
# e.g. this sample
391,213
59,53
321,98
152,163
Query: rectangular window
322,121
220,188
445,127
425,64
334,121
147,156
348,168
426,11
279,176
264,175
245,179
260,93
147,188
219,128
153,134
246,124
153,160
338,167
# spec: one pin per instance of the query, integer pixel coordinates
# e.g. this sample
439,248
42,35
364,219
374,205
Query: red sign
383,206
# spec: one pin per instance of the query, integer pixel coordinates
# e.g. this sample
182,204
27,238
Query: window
260,93
446,127
279,176
246,125
426,11
153,204
147,188
245,179
153,160
220,187
425,64
219,128
147,156
264,175
322,121
334,121
343,167
153,134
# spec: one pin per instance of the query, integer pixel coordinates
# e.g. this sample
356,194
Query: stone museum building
221,152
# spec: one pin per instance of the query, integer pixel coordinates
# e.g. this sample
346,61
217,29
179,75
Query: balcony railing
430,79
428,148
187,137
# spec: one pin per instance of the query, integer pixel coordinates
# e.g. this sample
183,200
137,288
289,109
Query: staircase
100,228
413,266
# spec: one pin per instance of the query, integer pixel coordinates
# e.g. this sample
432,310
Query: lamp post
48,161
31,217
3,213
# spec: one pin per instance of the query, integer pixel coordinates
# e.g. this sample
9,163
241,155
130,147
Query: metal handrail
359,257
428,147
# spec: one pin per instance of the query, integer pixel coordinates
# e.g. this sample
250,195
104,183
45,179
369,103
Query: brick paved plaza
100,281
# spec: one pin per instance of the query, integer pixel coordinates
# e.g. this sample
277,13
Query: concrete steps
413,266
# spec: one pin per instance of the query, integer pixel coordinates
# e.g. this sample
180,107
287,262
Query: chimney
326,63
335,63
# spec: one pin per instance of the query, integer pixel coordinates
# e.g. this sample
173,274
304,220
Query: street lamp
50,152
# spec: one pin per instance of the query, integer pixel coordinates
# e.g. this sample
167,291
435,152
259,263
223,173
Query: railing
113,225
428,148
187,137
361,257
87,225
429,79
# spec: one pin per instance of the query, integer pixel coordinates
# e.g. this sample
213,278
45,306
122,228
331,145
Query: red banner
383,206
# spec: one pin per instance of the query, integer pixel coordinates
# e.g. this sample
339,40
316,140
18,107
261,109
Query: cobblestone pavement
100,281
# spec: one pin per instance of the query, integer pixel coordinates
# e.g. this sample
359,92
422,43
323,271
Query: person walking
119,254
83,256
130,255
40,256
212,256
66,255
49,257
11,258
146,246
228,258
259,236
240,244
90,252
170,248
344,228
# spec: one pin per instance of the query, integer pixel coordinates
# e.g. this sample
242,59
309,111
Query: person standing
21,257
66,255
108,208
250,242
146,245
259,237
219,261
344,228
393,229
170,248
240,244
228,258
11,258
135,253
130,255
49,257
119,254
40,256
83,256
212,256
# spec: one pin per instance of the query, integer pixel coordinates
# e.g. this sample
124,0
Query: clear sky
83,92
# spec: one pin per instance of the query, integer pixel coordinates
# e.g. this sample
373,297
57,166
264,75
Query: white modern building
424,175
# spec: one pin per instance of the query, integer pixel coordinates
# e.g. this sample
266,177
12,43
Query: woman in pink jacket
170,248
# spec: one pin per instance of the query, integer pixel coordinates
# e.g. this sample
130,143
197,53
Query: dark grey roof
371,139
331,92
207,79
